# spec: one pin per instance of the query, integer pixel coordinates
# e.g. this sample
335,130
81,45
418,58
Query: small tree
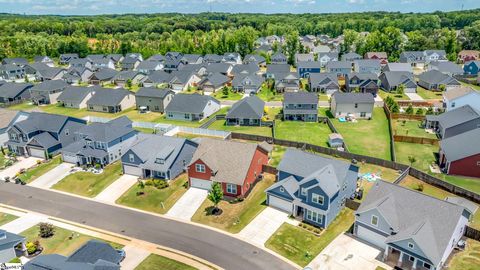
430,110
225,91
395,108
215,195
26,79
46,230
409,109
129,83
441,87
401,89
420,111
141,187
412,160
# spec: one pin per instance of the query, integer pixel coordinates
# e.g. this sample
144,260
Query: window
131,158
411,245
453,104
157,108
304,192
478,163
200,168
317,199
159,161
426,265
187,116
356,105
314,216
411,258
170,115
67,132
231,188
374,220
282,189
363,114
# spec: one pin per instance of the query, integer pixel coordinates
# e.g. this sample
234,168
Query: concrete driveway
133,257
22,163
53,176
117,188
347,252
264,225
188,204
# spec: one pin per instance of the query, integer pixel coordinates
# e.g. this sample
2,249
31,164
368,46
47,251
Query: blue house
312,187
306,68
472,67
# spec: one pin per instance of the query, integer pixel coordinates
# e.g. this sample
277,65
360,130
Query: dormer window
131,158
304,192
160,161
282,189
374,220
411,245
318,199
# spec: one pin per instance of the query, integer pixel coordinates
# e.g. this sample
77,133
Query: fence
415,103
352,204
198,131
472,233
332,129
407,116
393,156
402,176
96,119
11,103
212,120
269,169
419,140
463,78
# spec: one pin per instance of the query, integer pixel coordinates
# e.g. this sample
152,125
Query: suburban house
189,59
11,72
246,112
212,58
304,57
235,165
414,230
47,92
363,82
472,67
247,83
461,96
79,63
358,105
130,63
102,62
351,56
405,67
367,65
470,207
312,187
434,79
102,76
454,122
460,154
191,107
382,56
278,58
76,97
255,59
7,119
123,77
232,58
251,68
44,59
415,58
42,134
153,99
323,83
392,79
325,58
222,68
92,255
465,56
434,55
66,58
287,82
300,106
19,61
273,70
100,143
8,242
147,67
181,80
213,82
111,100
11,92
341,68
306,68
50,73
157,78
77,76
168,161
446,67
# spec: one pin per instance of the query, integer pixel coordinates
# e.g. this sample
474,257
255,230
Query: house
47,92
312,187
11,72
247,83
472,67
454,122
469,206
363,82
267,49
304,69
274,69
232,58
76,97
189,59
212,58
300,106
79,63
92,255
157,79
181,80
100,143
287,82
67,57
251,68
147,67
153,99
335,140
351,56
213,82
157,58
7,119
367,65
123,77
102,76
222,68
392,79
8,243
42,134
135,55
111,100
435,80
415,58
172,64
116,58
461,96
167,162
14,92
255,59
34,68
414,230
278,58
405,67
130,63
446,67
191,107
359,105
246,112
50,74
102,62
465,56
323,83
19,61
382,56
341,68
76,76
304,57
321,49
460,154
45,60
325,58
434,55
235,165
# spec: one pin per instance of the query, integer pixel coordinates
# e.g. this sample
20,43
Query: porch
397,258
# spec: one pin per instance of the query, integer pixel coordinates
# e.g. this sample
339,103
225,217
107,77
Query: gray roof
446,67
250,107
399,67
339,64
156,57
304,57
104,74
10,89
469,205
218,68
50,72
106,132
95,250
126,75
251,68
108,97
436,77
181,76
42,121
279,68
253,58
189,58
370,63
351,56
462,145
75,94
159,76
189,103
350,98
17,61
10,238
457,116
129,60
247,79
428,221
148,65
300,98
363,76
316,79
153,92
395,78
308,64
48,86
45,139
216,79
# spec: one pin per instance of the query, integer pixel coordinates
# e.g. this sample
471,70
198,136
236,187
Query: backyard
236,215
269,95
255,130
154,199
6,218
428,94
230,95
39,169
411,128
395,96
424,154
313,133
154,261
469,259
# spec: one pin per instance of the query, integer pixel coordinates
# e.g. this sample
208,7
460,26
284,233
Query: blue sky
90,7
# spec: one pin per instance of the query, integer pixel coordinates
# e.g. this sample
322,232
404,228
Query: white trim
318,196
200,168
411,245
371,220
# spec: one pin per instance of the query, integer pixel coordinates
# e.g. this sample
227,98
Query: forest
27,36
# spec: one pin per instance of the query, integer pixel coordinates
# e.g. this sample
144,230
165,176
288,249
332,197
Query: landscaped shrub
46,230
149,182
420,111
420,187
160,184
31,248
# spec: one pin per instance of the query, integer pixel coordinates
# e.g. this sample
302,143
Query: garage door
132,170
371,237
280,204
199,183
69,158
34,152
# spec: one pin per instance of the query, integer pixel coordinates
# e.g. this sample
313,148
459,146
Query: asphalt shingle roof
457,116
153,92
300,98
186,103
10,89
349,98
250,107
108,97
48,86
462,145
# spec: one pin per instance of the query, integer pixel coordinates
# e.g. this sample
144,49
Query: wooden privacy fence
419,140
472,233
393,156
407,116
415,103
352,204
269,169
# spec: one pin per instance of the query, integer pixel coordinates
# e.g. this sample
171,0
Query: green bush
31,247
15,260
160,184
46,230
149,182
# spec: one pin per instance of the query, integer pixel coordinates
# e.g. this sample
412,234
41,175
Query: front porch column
400,259
385,253
24,249
414,266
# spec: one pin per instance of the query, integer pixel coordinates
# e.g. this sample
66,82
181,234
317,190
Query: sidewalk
117,189
23,222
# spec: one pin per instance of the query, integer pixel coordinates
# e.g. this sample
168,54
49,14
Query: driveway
133,257
117,188
264,225
414,96
22,163
347,252
53,176
188,204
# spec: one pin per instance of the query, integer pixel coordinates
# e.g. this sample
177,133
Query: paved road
220,249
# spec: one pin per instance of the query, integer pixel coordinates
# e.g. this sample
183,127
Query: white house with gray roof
191,107
247,83
47,92
153,99
434,80
358,105
391,80
111,100
454,122
76,97
246,112
460,96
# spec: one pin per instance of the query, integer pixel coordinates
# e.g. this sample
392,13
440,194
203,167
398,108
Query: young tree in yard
395,108
412,160
401,89
45,230
420,111
26,79
430,110
215,195
441,87
129,83
409,109
225,91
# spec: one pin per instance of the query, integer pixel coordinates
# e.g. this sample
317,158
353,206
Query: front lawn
230,95
6,218
469,259
154,199
89,184
411,128
308,132
301,246
154,261
255,130
367,137
40,169
395,96
236,216
428,94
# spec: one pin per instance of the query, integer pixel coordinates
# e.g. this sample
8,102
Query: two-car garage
370,236
200,183
132,170
280,203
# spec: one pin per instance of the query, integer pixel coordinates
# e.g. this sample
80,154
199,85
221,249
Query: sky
93,7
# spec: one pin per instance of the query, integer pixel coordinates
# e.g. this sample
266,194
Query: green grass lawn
269,95
476,87
277,155
255,130
154,261
464,182
155,200
144,130
428,94
89,184
469,259
367,137
313,133
40,169
423,153
323,97
2,159
230,96
412,128
236,216
395,96
6,218
301,246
